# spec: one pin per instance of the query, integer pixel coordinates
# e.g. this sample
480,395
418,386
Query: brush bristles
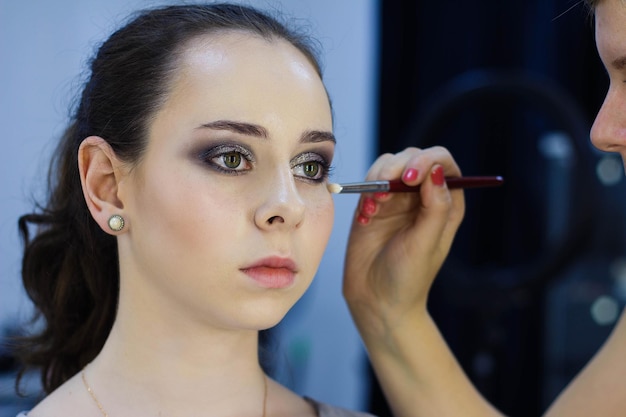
334,188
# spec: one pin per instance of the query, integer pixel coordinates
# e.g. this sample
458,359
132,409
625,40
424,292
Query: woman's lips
272,272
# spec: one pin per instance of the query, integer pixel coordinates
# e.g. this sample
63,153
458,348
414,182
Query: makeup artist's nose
281,206
608,132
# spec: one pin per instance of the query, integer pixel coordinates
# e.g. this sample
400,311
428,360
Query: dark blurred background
535,279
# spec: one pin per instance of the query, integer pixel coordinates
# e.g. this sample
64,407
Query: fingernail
437,176
362,219
381,195
410,175
369,206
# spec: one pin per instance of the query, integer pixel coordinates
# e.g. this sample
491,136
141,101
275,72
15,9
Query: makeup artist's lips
272,272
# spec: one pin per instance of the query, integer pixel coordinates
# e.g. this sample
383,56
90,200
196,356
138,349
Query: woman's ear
99,177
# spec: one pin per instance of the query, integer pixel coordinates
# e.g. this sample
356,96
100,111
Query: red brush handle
397,186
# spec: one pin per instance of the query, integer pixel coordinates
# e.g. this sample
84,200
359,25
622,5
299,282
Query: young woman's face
609,129
228,210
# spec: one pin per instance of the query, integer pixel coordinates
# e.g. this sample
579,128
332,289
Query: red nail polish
437,176
362,219
369,206
410,175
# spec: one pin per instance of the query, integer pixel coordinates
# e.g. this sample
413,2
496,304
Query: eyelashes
234,159
231,159
311,166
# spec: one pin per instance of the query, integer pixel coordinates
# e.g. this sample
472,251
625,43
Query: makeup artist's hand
397,245
399,241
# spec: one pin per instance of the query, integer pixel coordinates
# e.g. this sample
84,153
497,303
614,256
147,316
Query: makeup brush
397,186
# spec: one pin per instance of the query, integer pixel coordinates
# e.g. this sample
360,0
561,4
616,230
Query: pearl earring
116,222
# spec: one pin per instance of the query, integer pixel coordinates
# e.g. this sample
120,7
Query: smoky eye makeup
234,158
311,166
229,158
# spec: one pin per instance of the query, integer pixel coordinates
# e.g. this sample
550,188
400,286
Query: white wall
43,46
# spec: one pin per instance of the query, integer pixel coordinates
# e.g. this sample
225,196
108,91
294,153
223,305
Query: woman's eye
232,161
310,167
229,159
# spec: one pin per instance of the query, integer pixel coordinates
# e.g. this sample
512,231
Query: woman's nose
282,206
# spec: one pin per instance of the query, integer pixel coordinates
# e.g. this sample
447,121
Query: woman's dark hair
70,266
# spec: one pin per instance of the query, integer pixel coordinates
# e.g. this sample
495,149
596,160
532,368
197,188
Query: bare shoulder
68,400
283,402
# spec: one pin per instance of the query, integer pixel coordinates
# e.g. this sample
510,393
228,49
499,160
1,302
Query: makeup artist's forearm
420,376
596,390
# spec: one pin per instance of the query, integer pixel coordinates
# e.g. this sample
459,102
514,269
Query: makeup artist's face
228,210
609,129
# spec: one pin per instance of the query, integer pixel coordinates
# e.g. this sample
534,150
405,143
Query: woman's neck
167,363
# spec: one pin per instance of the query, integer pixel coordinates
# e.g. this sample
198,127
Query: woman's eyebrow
251,129
237,127
315,136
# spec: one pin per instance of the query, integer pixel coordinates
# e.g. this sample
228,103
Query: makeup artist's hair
592,3
70,266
